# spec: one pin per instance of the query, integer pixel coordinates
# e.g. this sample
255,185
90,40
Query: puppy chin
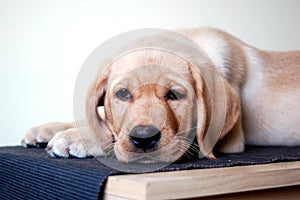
134,157
166,154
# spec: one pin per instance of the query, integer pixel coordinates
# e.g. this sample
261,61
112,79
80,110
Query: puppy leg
233,141
75,142
40,135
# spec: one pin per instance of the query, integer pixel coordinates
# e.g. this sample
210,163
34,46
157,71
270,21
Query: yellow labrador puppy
154,100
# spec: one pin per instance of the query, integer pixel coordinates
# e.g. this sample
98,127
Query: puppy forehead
149,66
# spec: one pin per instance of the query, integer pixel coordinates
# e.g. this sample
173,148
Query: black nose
145,137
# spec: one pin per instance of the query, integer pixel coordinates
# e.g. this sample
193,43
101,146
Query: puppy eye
123,94
174,95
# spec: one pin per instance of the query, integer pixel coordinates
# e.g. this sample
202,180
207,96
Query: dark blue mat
29,173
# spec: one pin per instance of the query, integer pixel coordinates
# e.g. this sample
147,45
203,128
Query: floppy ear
96,98
218,108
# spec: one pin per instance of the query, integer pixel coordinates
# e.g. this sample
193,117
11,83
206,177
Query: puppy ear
96,98
218,108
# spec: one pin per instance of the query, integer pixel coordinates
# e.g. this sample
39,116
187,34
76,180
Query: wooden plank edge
203,182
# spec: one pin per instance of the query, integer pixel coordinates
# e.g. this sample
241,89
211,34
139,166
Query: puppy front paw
39,136
70,144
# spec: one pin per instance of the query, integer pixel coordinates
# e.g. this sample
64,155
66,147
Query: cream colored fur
264,95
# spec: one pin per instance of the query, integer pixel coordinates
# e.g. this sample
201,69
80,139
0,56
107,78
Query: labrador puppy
153,103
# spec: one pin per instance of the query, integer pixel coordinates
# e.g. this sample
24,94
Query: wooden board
202,182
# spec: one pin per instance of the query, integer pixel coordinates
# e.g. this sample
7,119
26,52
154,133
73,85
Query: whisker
184,138
109,154
187,147
110,151
185,153
108,147
184,131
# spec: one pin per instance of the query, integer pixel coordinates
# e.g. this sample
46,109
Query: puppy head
154,102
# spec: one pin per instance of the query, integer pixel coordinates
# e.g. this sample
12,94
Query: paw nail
48,148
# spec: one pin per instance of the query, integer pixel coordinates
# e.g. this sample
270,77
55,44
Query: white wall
44,43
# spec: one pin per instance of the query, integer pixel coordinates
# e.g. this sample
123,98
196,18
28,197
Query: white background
44,43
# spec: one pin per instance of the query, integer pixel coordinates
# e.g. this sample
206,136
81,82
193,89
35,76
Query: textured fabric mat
29,173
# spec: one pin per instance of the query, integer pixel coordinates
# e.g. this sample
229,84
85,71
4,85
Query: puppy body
262,102
267,83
